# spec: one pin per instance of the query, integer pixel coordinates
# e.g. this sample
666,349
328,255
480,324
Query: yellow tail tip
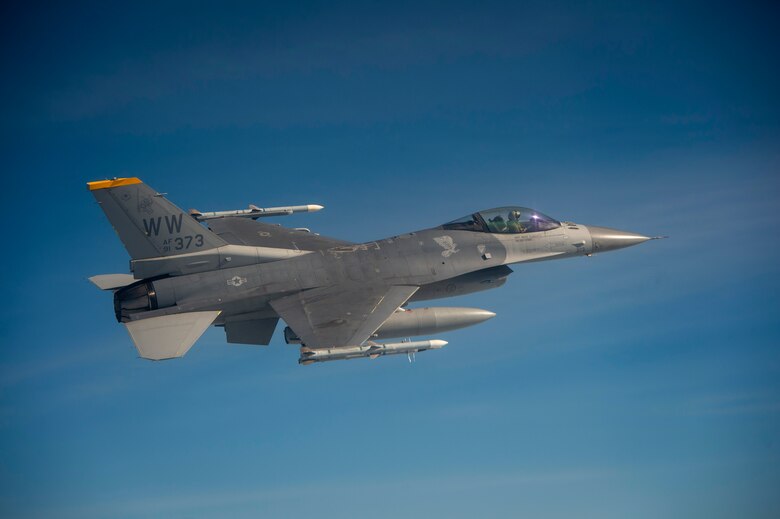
105,184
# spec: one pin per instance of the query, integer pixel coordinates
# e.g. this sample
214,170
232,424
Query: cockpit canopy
504,220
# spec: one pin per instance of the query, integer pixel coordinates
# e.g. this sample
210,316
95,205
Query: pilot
514,224
498,224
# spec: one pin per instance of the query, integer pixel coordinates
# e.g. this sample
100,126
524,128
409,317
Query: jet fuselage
423,258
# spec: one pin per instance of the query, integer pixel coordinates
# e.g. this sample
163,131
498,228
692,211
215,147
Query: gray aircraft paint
332,293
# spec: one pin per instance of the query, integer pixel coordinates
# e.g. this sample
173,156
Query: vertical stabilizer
147,223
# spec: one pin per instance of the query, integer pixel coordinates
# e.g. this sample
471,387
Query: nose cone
606,239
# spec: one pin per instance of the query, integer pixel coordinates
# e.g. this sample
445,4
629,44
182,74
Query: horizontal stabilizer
112,281
169,336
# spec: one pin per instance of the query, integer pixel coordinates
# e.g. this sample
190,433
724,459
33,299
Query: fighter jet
191,270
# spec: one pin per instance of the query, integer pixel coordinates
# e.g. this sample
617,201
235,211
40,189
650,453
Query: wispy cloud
198,501
257,65
68,357
735,403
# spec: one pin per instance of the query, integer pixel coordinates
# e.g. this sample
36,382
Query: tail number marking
152,226
182,242
171,223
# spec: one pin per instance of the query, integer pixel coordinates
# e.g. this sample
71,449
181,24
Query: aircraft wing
331,317
244,231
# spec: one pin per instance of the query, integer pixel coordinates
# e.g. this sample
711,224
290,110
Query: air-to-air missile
255,212
370,350
225,268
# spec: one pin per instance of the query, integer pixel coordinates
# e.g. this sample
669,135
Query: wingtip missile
256,212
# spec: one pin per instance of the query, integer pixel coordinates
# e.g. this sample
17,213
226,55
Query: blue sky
640,383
